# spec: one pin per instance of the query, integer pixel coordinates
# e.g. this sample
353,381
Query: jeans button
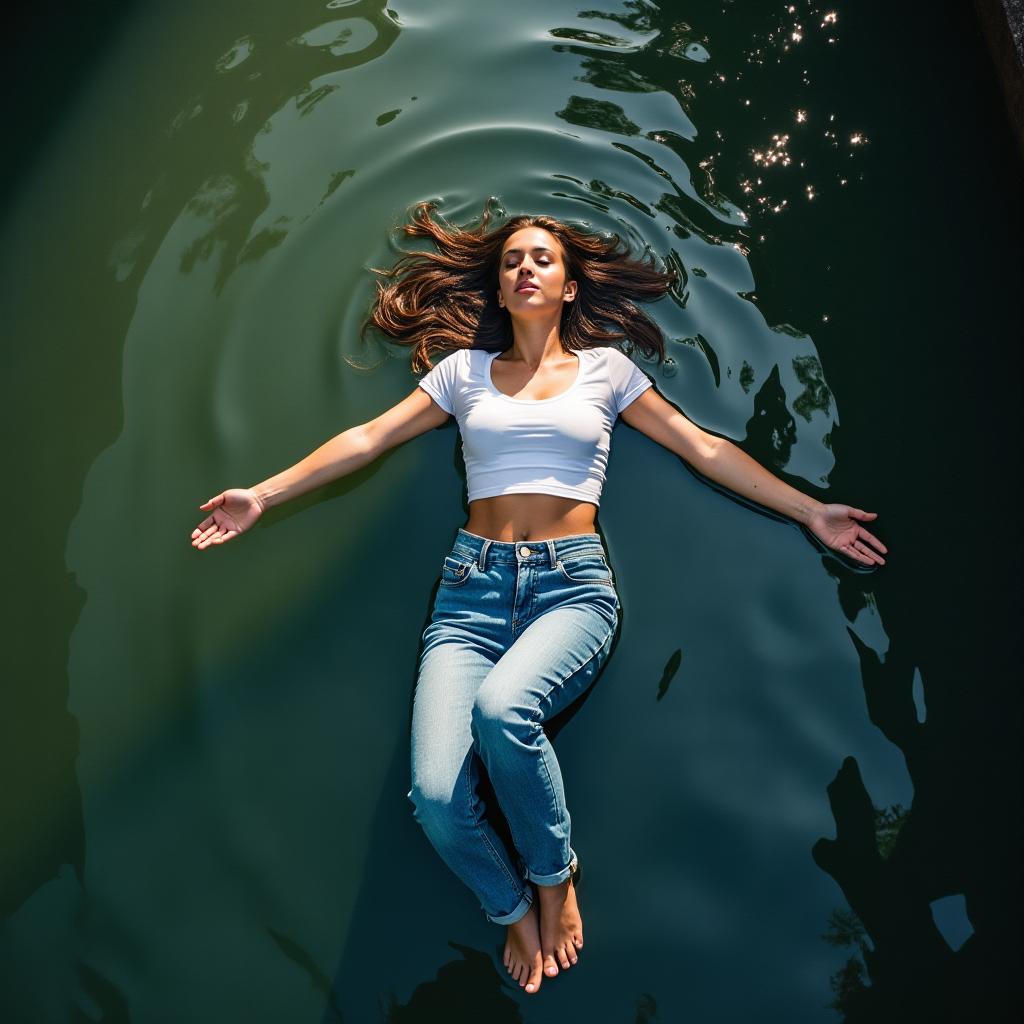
525,552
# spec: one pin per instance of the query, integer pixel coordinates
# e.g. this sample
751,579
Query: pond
794,788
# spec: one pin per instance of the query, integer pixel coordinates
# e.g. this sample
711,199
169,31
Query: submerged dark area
797,785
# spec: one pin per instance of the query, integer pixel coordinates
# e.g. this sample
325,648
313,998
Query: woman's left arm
836,526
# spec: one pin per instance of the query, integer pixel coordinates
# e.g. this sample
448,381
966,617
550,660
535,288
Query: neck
535,342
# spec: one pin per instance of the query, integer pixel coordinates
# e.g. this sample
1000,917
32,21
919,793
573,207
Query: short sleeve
439,383
628,381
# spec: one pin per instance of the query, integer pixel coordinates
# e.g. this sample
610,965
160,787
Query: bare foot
522,951
561,927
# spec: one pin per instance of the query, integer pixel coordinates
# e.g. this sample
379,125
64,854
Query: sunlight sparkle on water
775,153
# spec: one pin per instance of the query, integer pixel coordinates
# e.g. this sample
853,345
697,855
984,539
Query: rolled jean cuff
524,905
558,877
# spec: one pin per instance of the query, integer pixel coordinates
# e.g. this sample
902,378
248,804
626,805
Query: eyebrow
536,248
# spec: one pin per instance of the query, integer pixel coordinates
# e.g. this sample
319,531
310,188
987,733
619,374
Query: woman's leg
552,662
518,631
446,770
565,641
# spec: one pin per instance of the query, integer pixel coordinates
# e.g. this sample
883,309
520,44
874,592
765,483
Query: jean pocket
586,568
455,571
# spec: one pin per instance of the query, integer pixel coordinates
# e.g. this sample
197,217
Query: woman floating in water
526,606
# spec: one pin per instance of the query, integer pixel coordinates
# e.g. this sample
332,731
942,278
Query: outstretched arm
836,526
237,509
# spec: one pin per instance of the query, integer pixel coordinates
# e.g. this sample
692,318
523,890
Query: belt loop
551,553
482,560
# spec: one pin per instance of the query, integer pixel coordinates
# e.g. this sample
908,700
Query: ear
501,301
570,291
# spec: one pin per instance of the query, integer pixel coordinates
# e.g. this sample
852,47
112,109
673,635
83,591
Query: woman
526,607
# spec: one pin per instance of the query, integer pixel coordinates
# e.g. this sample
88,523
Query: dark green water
204,813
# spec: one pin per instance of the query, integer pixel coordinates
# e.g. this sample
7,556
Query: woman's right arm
235,510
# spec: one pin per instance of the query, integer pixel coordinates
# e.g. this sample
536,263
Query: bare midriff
515,517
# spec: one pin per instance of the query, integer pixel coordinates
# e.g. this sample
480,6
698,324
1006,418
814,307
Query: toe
563,958
506,958
533,983
550,967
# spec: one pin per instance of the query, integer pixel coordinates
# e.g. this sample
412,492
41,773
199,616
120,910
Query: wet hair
446,298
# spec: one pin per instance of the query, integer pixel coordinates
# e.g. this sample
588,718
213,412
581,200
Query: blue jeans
518,631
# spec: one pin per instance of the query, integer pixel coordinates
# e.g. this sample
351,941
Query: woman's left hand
838,527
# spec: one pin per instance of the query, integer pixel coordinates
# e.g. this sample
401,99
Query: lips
527,288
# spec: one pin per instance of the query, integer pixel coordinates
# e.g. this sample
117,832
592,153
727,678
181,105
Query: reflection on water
211,821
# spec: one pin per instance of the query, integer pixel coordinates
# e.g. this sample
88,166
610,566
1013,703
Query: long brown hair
447,299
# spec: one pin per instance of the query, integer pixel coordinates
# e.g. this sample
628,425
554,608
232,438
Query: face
532,277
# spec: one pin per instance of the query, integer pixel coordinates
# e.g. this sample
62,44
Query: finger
213,502
851,552
204,525
868,553
872,539
210,536
859,513
202,540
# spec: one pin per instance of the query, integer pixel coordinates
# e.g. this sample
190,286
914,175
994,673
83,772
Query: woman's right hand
234,511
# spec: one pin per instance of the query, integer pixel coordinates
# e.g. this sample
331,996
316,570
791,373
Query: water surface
209,818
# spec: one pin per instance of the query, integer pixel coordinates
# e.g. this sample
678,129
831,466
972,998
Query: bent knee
493,714
433,806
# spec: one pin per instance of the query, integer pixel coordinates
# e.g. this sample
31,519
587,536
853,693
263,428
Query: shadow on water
469,990
933,888
465,991
895,864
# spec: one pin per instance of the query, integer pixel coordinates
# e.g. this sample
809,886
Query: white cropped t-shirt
555,445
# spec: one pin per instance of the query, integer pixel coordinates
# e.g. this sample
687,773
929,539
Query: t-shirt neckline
491,356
